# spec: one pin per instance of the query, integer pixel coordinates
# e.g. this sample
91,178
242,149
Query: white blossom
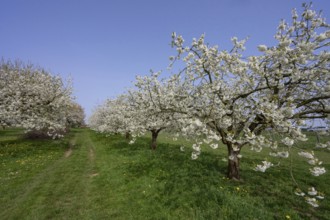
214,146
320,196
312,201
320,145
312,191
194,155
282,154
262,48
263,167
306,154
317,171
298,192
288,141
231,157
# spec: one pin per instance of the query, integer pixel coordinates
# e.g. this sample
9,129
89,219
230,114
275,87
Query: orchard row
217,96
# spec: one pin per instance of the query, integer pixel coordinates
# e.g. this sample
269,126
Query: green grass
106,178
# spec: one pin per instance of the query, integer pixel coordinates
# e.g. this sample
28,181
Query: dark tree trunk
127,135
154,135
233,163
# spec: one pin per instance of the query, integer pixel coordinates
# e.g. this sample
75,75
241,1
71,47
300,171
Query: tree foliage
76,116
32,98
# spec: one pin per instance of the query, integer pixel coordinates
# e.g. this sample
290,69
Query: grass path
61,189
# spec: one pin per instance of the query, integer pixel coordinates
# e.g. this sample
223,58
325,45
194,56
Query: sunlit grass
166,183
106,178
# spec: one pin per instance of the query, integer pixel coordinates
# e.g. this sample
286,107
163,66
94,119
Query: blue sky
103,44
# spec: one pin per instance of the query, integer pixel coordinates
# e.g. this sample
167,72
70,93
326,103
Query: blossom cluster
263,167
312,160
34,99
312,196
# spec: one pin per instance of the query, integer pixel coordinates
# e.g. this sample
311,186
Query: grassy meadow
91,176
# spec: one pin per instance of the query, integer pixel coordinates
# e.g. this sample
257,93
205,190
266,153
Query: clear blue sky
104,44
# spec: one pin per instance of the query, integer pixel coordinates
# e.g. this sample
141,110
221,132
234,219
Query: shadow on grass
11,132
22,146
168,179
197,188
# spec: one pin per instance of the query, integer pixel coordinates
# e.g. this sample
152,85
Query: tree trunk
127,135
233,163
154,135
317,136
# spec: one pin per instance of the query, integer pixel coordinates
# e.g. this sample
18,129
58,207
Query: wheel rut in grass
69,151
67,180
49,176
36,183
91,155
